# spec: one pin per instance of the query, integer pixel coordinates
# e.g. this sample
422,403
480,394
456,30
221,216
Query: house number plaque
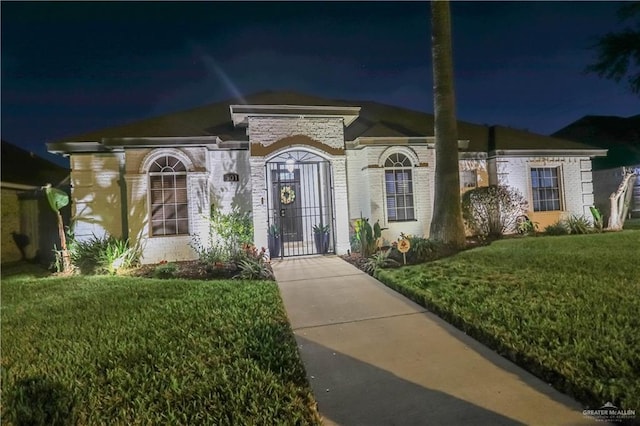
231,177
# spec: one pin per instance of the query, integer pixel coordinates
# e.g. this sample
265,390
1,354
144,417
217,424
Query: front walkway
375,358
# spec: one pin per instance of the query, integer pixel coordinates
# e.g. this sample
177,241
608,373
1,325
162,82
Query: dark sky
72,67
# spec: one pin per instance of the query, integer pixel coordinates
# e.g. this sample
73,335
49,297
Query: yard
126,350
566,308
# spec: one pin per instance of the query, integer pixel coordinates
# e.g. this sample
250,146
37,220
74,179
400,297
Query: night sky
72,67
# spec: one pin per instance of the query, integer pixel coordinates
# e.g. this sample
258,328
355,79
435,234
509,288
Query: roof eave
549,152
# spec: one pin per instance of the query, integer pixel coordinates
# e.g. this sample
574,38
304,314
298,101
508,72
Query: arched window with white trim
169,212
398,182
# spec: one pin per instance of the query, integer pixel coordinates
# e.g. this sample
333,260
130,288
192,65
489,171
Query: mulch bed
190,270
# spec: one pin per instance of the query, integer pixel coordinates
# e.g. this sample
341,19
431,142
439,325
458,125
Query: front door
301,204
287,203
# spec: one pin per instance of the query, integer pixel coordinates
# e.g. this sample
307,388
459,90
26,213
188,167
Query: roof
620,135
374,120
23,167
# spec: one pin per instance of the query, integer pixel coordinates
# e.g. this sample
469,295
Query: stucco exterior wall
10,223
95,195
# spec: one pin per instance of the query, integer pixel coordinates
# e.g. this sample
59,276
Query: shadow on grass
37,400
352,392
23,269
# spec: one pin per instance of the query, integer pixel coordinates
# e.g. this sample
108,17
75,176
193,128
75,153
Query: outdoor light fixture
290,164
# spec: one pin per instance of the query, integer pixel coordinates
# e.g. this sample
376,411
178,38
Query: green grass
632,223
114,350
567,308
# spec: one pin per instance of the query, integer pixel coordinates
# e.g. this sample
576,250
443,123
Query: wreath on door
287,195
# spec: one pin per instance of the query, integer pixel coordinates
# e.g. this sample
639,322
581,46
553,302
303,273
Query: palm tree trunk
446,225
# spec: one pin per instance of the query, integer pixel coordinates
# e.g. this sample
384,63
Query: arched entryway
300,204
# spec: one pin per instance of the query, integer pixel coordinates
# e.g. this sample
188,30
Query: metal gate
300,200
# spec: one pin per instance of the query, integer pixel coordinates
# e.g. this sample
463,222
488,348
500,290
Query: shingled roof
375,120
620,135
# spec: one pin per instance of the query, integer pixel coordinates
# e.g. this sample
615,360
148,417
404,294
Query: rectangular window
399,188
545,189
168,198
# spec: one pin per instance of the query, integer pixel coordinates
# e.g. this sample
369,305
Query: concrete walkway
374,357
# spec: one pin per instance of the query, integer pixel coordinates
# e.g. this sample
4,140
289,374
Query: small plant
103,255
227,233
526,226
578,224
379,260
321,229
558,228
165,270
274,240
598,220
252,264
367,236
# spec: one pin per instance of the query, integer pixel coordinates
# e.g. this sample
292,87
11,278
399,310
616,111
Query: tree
620,200
446,225
619,53
58,199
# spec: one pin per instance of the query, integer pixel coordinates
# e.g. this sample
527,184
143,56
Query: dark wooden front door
288,202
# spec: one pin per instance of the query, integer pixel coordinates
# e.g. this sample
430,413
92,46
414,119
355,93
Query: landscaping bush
228,232
165,270
558,228
578,224
106,255
565,308
253,265
379,260
123,350
492,210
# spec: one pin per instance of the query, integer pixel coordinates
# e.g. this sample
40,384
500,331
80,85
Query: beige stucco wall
10,223
95,195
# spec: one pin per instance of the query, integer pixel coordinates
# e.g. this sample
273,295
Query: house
298,161
621,137
29,227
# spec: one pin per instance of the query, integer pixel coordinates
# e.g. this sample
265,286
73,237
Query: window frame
395,164
541,191
160,169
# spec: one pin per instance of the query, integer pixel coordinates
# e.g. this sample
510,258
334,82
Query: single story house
300,161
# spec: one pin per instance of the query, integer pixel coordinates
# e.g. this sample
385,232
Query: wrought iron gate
300,200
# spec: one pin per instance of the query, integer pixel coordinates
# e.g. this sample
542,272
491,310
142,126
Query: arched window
168,197
399,188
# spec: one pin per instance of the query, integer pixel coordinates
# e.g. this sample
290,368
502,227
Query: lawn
566,308
124,350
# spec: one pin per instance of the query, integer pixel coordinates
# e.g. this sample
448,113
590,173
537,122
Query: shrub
421,250
526,226
367,236
103,255
558,228
578,224
252,264
379,260
228,232
492,210
165,270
